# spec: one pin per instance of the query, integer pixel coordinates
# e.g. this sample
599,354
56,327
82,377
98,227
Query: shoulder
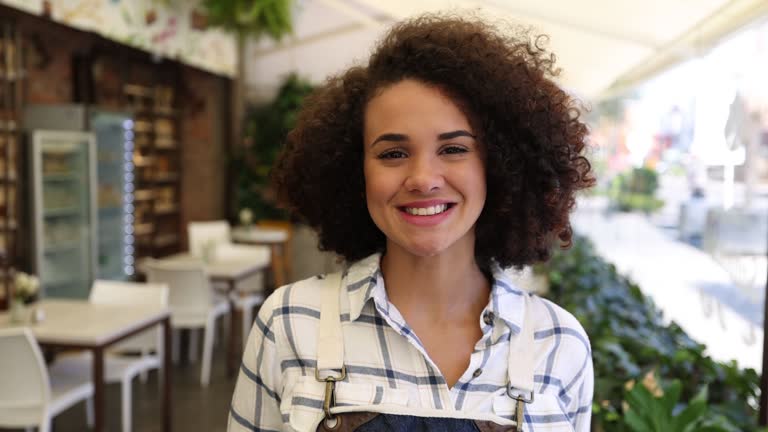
296,304
562,334
302,297
551,319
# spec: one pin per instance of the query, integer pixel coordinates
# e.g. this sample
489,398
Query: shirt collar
363,281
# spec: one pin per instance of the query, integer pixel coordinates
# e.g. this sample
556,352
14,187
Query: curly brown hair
530,130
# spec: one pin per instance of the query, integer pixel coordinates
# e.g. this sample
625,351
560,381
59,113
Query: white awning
602,46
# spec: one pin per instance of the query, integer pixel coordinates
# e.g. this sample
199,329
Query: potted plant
266,128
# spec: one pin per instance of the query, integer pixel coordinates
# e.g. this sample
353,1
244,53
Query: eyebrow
443,136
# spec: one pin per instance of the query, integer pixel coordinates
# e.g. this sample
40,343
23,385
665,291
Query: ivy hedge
631,341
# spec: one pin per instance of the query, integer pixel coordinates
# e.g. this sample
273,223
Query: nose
425,174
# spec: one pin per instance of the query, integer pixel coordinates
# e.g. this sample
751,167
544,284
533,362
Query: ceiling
604,47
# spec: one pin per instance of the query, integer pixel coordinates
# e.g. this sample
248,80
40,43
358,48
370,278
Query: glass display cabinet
63,173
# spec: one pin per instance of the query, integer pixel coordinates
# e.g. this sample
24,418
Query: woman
450,156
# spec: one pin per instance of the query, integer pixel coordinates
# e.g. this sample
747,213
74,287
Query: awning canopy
602,46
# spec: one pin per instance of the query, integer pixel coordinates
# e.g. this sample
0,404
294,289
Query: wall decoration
173,29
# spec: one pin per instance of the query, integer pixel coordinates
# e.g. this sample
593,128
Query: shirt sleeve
581,410
256,400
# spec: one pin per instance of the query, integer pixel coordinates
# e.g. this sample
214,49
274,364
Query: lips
426,213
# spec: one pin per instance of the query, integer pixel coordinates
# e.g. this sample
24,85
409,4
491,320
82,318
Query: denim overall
382,418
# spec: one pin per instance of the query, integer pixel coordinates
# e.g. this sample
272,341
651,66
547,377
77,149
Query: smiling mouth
427,211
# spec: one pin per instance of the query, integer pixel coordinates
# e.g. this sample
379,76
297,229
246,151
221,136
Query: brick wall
204,160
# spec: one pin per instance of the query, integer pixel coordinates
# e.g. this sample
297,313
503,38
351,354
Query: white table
228,269
274,238
78,324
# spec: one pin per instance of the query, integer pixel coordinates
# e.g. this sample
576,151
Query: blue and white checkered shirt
383,353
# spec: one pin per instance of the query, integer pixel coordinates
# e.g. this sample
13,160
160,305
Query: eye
392,154
454,149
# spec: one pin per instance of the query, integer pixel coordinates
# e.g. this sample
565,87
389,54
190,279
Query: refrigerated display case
114,173
64,211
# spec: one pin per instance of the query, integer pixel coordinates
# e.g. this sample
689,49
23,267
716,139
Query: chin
425,249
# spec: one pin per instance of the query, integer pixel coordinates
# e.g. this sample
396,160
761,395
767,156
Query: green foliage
629,338
636,190
647,412
266,128
251,17
246,17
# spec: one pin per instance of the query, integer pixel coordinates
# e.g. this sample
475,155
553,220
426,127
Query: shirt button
477,373
488,318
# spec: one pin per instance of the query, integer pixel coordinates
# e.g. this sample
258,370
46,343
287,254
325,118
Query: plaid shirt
382,350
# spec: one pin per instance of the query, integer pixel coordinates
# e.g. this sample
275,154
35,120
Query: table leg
167,372
98,389
234,326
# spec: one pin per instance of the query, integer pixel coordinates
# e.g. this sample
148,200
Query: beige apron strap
521,361
330,346
520,366
330,343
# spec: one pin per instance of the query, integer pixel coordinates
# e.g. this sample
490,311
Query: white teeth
427,211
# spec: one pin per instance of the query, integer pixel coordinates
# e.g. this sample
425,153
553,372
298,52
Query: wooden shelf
143,229
166,144
11,226
164,209
166,240
143,195
12,76
166,177
156,159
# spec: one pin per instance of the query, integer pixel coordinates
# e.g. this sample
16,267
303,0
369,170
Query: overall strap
330,346
520,365
330,343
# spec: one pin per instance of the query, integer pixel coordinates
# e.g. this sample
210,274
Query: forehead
412,104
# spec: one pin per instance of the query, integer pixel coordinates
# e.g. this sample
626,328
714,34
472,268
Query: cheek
381,185
376,189
475,184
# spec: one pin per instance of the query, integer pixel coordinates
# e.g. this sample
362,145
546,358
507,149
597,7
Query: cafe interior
138,236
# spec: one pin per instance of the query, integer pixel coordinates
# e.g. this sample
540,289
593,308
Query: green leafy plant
630,338
636,190
662,411
266,128
254,18
251,17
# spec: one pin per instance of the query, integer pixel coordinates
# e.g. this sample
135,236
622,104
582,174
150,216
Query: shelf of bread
143,229
143,195
166,208
165,143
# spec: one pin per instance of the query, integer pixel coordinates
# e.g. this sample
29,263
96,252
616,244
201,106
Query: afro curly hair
529,128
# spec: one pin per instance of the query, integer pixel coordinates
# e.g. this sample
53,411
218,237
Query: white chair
120,368
30,394
192,302
212,240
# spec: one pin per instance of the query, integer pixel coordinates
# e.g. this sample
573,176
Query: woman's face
424,170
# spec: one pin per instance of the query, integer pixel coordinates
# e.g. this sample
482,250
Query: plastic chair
119,368
204,235
192,302
30,394
212,240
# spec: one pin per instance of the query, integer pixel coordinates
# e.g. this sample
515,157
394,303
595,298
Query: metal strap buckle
330,396
519,407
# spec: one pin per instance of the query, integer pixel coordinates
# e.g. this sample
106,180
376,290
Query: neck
443,288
